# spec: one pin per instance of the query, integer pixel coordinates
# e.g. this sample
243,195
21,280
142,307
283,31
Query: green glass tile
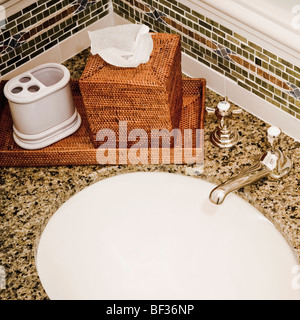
178,10
271,88
230,76
275,103
36,53
198,15
258,81
205,25
46,13
277,91
277,65
291,99
23,18
171,1
269,54
10,25
208,33
265,92
219,32
280,100
166,3
254,46
217,69
184,45
251,84
247,48
234,40
265,65
172,14
226,30
291,112
52,10
245,54
271,68
243,85
245,73
7,70
185,8
264,84
226,43
191,17
210,59
28,23
40,16
197,52
293,73
204,61
239,37
292,80
212,22
262,56
286,63
237,75
191,54
220,40
278,72
239,51
222,66
258,94
285,76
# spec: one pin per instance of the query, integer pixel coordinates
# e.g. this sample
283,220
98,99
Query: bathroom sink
157,236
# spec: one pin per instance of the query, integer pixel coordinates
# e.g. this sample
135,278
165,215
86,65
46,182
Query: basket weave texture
78,149
147,97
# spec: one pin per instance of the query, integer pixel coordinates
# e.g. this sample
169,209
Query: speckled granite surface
30,196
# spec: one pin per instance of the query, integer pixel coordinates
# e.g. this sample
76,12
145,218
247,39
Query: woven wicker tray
78,149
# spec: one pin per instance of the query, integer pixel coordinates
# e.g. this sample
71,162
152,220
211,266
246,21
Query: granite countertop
30,196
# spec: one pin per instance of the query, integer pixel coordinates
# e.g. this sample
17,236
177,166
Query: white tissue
122,46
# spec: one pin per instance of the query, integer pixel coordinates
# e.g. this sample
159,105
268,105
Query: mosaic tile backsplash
45,23
40,26
248,64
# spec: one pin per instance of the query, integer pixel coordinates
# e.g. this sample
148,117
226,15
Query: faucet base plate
224,139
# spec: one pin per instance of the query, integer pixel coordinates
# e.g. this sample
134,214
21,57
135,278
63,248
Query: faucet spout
273,163
256,172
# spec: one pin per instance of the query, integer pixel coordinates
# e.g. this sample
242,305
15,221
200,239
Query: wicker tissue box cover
147,97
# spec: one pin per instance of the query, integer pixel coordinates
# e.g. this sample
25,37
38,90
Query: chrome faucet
273,163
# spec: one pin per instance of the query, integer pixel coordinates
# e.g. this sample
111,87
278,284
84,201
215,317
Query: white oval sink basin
156,236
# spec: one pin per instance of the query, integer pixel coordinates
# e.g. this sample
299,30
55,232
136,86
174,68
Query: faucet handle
221,105
273,134
224,108
224,136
